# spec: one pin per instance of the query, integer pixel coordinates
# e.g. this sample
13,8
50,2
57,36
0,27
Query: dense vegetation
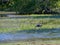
31,6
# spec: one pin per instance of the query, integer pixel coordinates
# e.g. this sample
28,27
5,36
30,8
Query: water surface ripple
29,34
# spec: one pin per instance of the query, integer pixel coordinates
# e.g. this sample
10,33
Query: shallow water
16,17
29,34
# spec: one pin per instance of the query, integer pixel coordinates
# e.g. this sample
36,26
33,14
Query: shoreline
32,42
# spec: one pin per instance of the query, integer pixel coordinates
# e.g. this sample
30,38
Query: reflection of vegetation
7,25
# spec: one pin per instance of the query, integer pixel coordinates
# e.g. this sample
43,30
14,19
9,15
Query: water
16,17
29,34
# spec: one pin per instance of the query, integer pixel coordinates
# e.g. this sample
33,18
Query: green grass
8,25
12,25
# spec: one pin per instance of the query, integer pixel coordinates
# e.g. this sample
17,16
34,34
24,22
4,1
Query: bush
32,6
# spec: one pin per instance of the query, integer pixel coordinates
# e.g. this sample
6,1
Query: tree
33,6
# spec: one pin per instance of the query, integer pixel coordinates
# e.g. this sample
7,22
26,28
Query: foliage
32,6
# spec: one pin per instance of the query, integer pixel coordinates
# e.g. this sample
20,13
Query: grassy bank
34,42
8,25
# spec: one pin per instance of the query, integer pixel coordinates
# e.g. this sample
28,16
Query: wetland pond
31,34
